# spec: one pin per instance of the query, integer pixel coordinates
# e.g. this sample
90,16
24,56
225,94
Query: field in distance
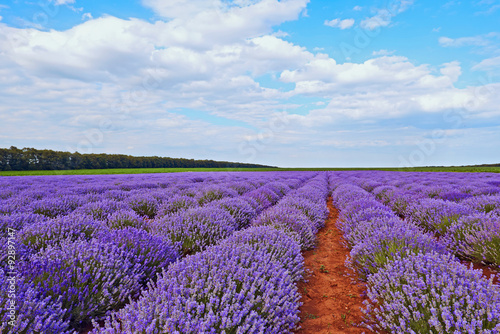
474,169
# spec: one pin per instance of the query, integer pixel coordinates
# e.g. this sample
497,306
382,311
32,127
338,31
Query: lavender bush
317,212
484,203
384,243
151,253
144,204
32,312
291,221
432,293
195,229
175,204
436,214
52,232
282,248
125,218
238,208
89,278
221,290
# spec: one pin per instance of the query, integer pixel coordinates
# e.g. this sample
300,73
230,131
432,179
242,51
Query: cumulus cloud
338,23
451,70
109,83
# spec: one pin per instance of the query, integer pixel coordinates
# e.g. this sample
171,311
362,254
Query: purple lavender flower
476,237
143,203
385,242
151,252
238,208
125,218
32,312
52,232
195,229
436,214
432,293
17,221
483,203
89,278
213,193
291,221
317,212
101,210
224,289
282,248
177,203
56,206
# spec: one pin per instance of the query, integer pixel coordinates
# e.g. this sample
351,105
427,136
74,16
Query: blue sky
288,83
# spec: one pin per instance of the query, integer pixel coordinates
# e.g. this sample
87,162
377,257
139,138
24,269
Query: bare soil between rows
332,298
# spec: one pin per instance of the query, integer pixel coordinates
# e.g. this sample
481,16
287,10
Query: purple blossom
88,278
238,208
52,232
32,312
385,242
282,248
223,289
195,229
177,203
151,252
436,214
291,221
432,293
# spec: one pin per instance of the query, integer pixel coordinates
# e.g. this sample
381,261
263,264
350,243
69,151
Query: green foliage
31,159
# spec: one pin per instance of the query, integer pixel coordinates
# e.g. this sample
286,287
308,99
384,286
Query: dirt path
331,302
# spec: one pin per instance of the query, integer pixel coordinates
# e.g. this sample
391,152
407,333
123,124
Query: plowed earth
332,298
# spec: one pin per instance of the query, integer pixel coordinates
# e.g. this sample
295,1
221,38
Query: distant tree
33,159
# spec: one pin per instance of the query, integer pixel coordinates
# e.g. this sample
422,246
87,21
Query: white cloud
63,2
489,7
488,64
479,40
383,52
338,23
87,16
357,8
382,19
139,76
383,16
462,41
451,70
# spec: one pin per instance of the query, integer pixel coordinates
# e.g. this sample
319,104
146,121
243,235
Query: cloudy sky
286,83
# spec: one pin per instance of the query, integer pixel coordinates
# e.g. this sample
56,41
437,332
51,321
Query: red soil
332,301
488,271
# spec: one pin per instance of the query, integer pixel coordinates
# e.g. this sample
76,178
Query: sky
290,83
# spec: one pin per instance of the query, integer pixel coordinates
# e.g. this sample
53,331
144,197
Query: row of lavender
119,246
464,212
76,263
244,284
39,198
415,285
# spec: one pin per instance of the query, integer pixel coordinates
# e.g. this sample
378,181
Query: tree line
14,158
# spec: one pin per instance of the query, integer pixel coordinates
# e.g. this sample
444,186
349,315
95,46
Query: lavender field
222,252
